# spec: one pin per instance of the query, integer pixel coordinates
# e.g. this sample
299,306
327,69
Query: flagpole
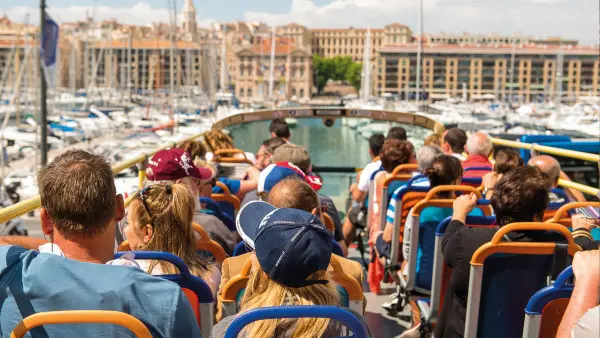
43,108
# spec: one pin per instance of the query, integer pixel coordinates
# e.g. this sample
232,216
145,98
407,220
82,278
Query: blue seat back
227,208
184,278
559,289
508,282
216,209
356,324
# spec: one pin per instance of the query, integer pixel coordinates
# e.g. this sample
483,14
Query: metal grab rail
549,150
25,206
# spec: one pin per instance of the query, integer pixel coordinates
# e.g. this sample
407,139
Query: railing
548,150
33,203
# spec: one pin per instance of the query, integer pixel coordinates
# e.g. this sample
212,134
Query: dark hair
77,189
298,195
444,170
457,139
506,160
280,128
521,195
273,143
394,153
397,133
376,143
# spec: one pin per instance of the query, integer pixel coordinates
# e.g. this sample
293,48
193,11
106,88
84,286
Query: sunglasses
323,209
142,196
202,183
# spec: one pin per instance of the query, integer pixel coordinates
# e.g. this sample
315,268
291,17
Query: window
241,71
301,92
249,92
293,91
242,92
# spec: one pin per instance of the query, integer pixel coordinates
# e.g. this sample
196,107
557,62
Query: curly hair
394,153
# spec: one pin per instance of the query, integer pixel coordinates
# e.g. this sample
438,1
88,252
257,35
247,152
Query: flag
49,42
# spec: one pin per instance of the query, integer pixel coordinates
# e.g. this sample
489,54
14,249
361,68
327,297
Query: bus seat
231,156
196,290
228,202
354,323
495,301
213,206
329,223
208,245
561,216
80,317
546,307
398,177
349,290
441,272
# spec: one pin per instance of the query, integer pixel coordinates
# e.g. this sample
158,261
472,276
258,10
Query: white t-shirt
365,175
588,326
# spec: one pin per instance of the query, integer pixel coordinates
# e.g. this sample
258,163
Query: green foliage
340,68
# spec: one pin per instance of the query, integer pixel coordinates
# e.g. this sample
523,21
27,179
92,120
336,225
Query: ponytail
444,170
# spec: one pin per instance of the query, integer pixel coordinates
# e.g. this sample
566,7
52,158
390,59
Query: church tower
189,19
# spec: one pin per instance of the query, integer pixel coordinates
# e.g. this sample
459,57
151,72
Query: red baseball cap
173,164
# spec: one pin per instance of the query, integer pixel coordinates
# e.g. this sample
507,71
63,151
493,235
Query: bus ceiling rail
549,150
25,206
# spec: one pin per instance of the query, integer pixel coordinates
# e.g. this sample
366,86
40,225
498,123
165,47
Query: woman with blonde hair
292,254
216,139
160,219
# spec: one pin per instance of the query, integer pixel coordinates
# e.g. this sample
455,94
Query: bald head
293,192
549,166
479,144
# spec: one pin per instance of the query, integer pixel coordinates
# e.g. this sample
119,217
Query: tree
353,75
340,68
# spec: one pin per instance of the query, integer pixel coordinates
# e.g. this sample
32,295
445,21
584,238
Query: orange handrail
81,316
218,156
329,222
534,248
570,206
207,244
443,188
409,167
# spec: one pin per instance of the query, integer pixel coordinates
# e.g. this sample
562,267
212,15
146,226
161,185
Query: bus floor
381,324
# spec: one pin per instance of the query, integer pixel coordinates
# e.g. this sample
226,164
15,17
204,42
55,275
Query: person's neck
86,249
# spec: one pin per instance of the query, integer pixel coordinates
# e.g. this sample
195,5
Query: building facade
292,71
526,73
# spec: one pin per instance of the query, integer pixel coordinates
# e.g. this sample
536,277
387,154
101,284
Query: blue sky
575,19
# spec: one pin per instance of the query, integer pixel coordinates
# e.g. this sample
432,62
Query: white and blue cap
290,244
276,172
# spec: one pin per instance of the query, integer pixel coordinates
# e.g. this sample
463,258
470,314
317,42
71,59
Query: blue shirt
233,185
32,282
389,216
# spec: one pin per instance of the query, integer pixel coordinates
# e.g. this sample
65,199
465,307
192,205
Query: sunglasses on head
142,196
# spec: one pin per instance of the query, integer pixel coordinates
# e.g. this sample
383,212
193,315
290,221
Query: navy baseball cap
290,244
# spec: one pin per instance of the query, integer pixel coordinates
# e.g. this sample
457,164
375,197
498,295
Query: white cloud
576,19
139,14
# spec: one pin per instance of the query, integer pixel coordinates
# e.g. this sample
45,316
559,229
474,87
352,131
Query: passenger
582,228
280,128
217,139
582,317
521,195
453,142
551,167
360,189
300,157
504,160
195,148
393,153
425,158
286,274
79,210
433,140
479,147
263,156
174,166
291,192
397,133
160,219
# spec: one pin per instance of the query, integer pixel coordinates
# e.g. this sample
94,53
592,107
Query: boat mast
129,65
419,48
43,89
559,77
272,65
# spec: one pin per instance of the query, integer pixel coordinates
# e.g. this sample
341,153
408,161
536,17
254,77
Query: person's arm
460,209
362,187
586,268
28,243
581,232
489,181
252,173
246,187
224,279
